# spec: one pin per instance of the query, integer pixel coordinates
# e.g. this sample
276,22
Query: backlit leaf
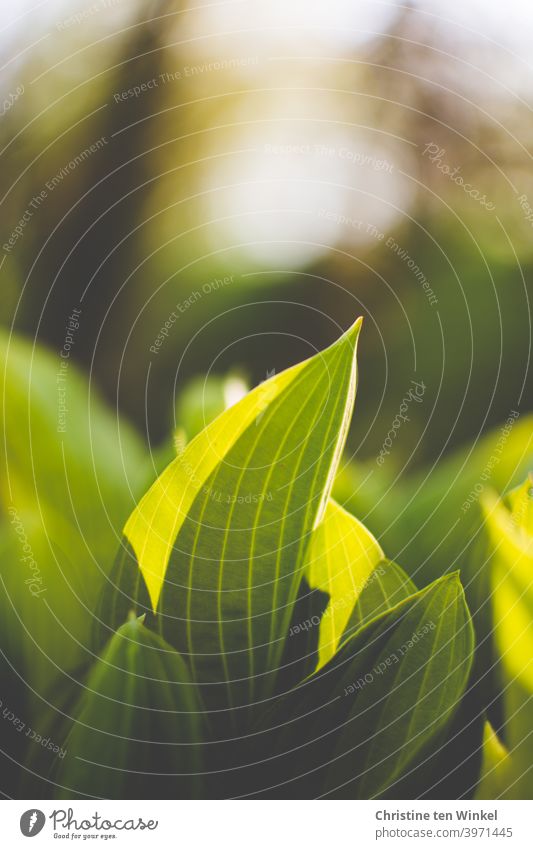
509,528
220,538
346,562
498,775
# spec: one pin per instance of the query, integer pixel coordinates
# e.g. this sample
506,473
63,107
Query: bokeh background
281,145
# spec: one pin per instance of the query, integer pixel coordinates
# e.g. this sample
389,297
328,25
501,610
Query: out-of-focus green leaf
520,503
346,562
512,583
498,774
220,539
139,724
365,723
509,528
431,520
68,481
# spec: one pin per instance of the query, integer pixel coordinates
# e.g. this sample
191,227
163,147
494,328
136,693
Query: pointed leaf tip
352,332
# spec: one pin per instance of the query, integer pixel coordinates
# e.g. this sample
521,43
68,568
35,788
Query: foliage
252,637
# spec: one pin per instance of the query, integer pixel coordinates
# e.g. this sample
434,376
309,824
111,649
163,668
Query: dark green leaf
139,725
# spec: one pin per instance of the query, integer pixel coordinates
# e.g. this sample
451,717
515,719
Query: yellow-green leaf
498,776
220,538
511,566
346,562
512,581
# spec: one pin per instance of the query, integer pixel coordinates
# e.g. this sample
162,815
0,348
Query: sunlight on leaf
498,774
509,527
343,561
220,538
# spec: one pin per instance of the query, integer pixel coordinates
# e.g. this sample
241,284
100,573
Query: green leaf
498,774
346,562
385,588
139,724
520,503
511,576
428,520
432,522
403,712
65,495
220,538
365,723
512,582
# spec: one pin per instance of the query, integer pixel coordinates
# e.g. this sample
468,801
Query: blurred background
266,172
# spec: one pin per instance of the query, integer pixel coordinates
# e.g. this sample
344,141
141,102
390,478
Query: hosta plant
236,631
253,639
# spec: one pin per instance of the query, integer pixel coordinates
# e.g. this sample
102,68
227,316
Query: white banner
267,824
